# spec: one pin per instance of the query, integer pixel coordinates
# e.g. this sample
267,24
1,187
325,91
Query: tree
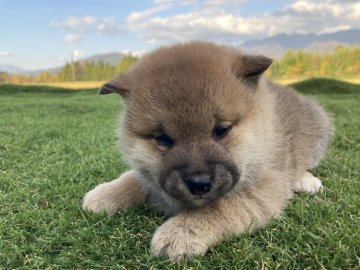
65,75
43,77
125,63
4,77
343,62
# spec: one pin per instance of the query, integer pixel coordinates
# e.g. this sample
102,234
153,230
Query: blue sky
37,34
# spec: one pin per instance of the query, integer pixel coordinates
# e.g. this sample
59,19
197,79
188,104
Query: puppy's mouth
197,202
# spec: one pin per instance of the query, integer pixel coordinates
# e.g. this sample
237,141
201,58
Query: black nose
198,184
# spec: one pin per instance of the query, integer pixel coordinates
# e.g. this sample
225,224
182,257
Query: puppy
211,142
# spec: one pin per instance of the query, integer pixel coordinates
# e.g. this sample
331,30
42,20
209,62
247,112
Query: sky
39,34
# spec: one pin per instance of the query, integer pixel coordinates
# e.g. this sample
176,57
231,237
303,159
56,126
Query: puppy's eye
164,140
221,132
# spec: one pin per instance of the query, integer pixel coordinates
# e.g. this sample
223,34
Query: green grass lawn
57,144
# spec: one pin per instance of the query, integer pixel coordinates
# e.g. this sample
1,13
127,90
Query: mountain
12,69
277,45
112,58
38,71
325,46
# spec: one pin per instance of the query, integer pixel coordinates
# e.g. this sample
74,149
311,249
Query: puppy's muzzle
201,172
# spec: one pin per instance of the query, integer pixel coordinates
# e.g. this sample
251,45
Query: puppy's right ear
251,67
117,85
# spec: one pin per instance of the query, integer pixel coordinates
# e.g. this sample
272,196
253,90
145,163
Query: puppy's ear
117,85
251,67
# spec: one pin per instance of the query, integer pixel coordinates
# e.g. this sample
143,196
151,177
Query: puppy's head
187,111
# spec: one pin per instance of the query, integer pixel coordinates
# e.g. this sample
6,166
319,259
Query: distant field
56,144
96,84
73,85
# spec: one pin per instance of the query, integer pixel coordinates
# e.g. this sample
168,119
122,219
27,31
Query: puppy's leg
118,194
192,232
307,184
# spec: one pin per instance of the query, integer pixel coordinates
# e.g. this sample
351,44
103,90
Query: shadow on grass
17,88
326,86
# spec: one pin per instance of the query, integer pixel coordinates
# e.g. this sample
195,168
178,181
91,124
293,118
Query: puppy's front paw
102,199
177,240
110,197
307,184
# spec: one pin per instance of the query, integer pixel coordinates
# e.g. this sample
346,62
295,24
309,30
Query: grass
56,144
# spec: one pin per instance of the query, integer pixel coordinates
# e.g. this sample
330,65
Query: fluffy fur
186,91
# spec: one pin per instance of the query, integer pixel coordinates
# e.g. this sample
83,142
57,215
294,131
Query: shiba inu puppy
211,142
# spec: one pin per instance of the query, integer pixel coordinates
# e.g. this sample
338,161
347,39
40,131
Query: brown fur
186,91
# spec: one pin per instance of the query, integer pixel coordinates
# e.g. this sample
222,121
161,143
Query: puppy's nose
198,184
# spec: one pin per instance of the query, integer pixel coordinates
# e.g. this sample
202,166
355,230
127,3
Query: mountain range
112,58
274,47
12,69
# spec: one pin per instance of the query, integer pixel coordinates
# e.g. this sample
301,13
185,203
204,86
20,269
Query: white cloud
76,23
223,24
217,20
5,53
87,24
79,27
223,2
107,25
73,38
181,2
76,54
354,14
135,53
204,24
135,17
201,2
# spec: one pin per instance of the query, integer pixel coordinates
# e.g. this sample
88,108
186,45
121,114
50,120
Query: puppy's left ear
251,67
117,85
